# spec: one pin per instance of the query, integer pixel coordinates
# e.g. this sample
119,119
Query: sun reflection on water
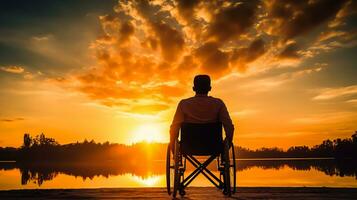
149,181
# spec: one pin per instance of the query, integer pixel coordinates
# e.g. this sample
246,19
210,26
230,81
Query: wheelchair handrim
168,170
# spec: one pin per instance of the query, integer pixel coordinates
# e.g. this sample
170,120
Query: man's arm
176,123
227,122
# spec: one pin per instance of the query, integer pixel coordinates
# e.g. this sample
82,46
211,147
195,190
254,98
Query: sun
148,133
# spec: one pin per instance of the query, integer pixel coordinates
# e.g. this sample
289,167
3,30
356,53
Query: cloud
348,9
212,59
329,117
186,9
232,21
41,38
13,69
242,56
328,35
290,52
116,30
151,50
12,119
331,93
267,84
333,39
27,75
294,18
170,40
126,30
352,101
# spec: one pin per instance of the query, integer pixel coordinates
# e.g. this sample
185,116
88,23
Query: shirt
202,109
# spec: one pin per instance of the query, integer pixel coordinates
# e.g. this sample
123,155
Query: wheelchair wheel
229,174
176,175
226,175
232,170
169,170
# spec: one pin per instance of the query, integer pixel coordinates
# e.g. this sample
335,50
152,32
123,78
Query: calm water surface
291,173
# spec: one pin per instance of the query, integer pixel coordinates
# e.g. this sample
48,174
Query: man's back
201,109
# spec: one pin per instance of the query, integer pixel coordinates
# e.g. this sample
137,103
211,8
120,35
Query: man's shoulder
186,100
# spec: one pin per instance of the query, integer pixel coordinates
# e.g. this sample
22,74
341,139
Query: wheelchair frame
176,166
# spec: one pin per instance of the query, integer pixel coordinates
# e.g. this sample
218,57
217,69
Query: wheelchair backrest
201,139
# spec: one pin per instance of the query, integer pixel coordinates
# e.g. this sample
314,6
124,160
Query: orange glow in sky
148,133
115,71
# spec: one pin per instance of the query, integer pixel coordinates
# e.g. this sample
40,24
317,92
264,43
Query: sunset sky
115,71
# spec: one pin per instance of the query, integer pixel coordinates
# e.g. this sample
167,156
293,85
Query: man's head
202,84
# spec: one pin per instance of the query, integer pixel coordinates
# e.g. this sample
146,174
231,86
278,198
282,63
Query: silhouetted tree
27,141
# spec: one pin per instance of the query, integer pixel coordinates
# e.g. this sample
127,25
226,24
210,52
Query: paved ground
192,193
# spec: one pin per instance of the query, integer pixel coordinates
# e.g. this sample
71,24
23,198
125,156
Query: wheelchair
200,140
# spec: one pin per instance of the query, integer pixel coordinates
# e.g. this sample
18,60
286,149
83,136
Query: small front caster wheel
182,192
225,192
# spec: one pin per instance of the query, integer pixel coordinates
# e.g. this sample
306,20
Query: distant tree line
8,153
338,148
42,148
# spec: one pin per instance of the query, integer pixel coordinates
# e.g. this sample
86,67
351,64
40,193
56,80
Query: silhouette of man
201,109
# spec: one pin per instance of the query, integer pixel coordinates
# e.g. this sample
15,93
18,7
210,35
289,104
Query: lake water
252,173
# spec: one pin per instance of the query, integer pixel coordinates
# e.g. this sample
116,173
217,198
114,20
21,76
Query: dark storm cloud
232,21
126,30
116,29
255,49
213,60
170,40
186,8
299,17
158,25
242,56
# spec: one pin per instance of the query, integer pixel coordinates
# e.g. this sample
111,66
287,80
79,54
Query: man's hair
202,84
